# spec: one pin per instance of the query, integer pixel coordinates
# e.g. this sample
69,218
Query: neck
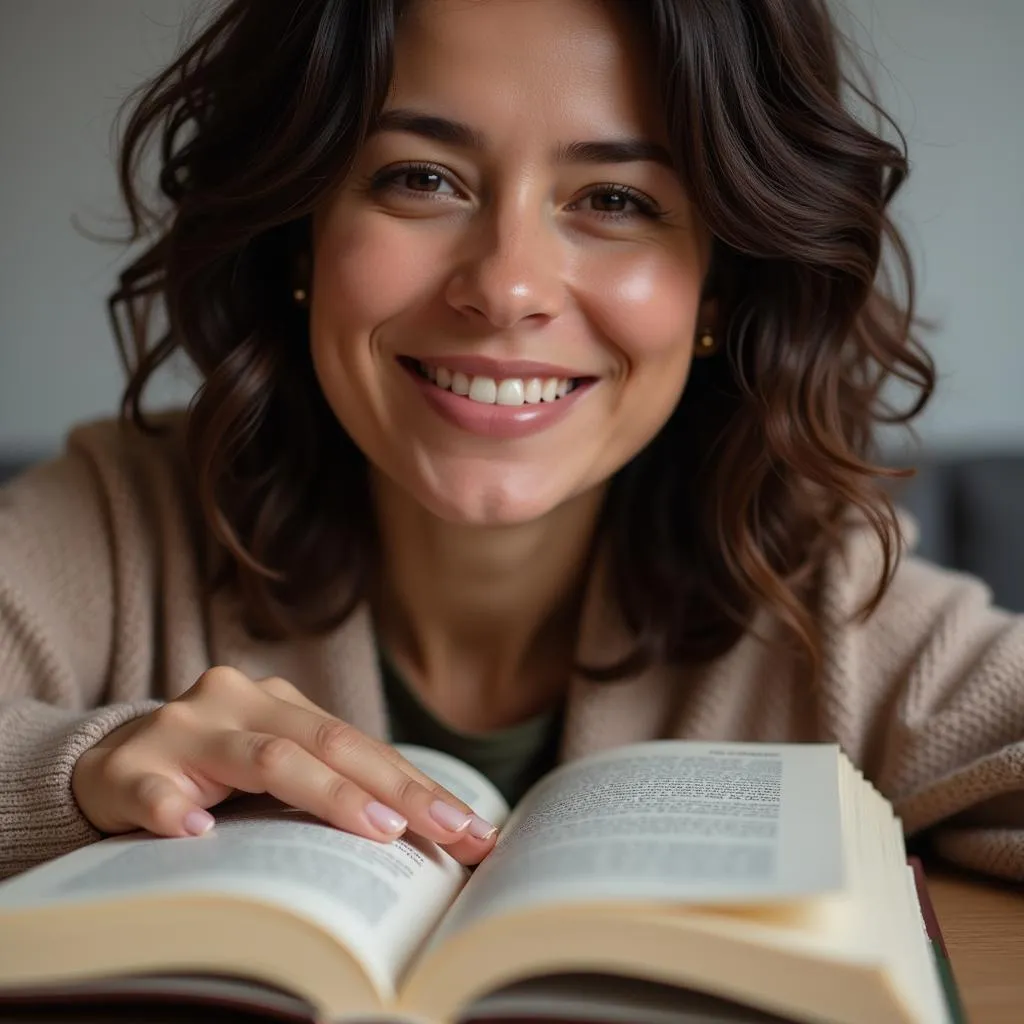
481,621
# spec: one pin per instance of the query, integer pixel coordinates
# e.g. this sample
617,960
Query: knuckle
337,741
218,682
273,753
278,687
407,790
340,790
117,766
155,796
390,755
174,715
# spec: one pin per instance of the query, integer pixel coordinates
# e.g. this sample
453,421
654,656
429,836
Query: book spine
943,965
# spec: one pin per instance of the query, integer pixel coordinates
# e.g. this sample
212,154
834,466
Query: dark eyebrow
615,151
438,129
455,133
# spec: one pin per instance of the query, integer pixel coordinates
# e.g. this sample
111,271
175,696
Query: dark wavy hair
735,504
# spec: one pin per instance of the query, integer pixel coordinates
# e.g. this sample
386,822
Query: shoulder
111,488
122,455
92,542
109,450
922,600
930,680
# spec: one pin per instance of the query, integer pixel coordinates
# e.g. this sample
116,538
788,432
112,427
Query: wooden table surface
983,925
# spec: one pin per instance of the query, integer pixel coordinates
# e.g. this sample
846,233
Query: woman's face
506,288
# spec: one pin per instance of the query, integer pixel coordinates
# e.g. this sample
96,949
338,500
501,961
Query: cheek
363,278
367,270
647,310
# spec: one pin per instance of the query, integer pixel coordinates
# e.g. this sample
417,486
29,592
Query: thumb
149,801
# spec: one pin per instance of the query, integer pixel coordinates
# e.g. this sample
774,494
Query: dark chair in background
971,514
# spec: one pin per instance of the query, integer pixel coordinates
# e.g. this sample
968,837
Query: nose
511,271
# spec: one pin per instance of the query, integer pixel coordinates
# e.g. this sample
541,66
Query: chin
487,503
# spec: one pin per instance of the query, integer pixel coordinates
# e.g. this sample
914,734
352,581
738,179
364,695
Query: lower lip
498,421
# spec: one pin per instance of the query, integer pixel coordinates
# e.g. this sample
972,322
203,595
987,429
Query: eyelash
645,207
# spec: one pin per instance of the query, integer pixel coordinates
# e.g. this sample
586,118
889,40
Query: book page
669,821
380,900
460,780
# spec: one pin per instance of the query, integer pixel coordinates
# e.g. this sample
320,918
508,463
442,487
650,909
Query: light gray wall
951,74
65,65
954,80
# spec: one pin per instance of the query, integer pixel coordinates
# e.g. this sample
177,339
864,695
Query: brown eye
610,202
423,181
618,203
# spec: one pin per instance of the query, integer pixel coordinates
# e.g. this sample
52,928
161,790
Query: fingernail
385,819
198,822
449,817
480,829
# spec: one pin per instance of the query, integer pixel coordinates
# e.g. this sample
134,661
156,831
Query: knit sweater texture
105,614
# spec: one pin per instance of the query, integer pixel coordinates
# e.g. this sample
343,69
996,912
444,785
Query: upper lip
499,369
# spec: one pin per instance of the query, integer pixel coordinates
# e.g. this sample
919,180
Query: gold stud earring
300,296
707,343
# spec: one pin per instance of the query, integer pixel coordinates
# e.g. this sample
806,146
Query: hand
229,734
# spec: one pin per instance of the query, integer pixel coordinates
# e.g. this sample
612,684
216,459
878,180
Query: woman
542,356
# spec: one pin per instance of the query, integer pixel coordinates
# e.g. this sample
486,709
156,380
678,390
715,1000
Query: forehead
550,64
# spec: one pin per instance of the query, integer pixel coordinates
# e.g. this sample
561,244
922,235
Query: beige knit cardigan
103,614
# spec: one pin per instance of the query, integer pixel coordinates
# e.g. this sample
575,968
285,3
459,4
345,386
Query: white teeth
488,391
511,392
484,390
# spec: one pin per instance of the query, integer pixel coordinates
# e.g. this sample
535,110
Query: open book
663,882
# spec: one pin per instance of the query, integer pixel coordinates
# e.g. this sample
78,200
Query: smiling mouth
508,391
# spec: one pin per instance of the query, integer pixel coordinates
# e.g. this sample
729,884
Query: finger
284,690
377,768
267,763
155,803
479,837
470,850
280,688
